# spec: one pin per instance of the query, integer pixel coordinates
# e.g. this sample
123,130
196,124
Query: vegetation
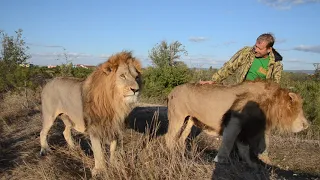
167,72
13,53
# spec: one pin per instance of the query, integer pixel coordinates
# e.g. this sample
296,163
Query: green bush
310,92
309,89
202,74
12,54
81,72
31,77
158,82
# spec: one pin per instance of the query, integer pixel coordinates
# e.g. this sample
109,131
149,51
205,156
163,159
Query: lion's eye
123,76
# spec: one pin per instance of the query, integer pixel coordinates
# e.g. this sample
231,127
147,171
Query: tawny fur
207,104
102,109
97,105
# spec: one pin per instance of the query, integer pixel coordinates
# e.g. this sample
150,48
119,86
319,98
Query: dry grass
142,154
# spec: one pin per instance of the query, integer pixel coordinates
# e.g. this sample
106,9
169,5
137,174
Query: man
260,61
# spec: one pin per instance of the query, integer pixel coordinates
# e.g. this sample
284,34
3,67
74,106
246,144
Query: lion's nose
134,90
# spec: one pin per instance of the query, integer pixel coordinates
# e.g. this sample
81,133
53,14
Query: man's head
264,45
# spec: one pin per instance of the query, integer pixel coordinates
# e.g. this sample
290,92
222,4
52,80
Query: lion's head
112,90
284,110
125,72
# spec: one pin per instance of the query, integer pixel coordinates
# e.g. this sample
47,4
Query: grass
142,155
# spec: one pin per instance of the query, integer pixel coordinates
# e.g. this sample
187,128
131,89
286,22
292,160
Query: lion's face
128,82
300,122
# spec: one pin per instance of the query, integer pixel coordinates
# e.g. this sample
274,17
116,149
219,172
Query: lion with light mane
96,105
205,105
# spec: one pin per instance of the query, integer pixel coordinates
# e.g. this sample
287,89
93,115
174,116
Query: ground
142,154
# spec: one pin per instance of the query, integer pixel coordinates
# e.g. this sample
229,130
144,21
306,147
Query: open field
142,154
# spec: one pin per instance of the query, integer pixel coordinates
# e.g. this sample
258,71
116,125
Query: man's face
261,50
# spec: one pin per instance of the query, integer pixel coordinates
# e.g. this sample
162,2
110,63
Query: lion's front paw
265,158
96,171
44,151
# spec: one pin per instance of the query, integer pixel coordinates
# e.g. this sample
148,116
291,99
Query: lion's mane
104,109
280,109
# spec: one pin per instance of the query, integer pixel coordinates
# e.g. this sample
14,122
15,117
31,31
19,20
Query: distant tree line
167,71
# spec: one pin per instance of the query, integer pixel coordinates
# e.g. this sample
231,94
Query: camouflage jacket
242,61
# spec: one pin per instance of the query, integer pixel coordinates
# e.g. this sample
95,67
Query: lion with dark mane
206,105
97,105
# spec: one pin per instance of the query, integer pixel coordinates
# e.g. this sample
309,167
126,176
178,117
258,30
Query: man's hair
267,37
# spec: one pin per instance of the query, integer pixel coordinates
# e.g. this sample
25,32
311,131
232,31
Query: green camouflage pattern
242,61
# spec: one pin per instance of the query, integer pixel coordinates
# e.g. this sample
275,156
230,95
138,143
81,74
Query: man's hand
206,82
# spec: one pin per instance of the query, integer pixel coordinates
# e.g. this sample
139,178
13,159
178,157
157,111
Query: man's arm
231,66
278,68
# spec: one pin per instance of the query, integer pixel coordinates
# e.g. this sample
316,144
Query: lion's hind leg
67,130
175,130
47,123
187,129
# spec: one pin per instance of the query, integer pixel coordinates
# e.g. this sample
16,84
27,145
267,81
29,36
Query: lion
96,105
205,106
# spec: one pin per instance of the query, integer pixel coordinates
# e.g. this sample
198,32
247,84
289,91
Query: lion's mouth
130,95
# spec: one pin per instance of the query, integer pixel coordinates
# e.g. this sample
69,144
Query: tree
13,53
165,54
168,71
13,50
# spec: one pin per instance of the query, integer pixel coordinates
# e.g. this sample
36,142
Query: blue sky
211,31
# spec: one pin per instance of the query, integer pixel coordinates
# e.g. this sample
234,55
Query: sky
88,32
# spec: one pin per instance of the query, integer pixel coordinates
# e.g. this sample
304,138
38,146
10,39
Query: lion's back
63,94
207,103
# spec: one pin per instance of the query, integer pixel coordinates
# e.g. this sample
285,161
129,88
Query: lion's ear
137,65
107,68
293,96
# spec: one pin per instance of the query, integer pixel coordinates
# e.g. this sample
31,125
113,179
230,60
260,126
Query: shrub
202,74
310,91
13,53
81,72
158,82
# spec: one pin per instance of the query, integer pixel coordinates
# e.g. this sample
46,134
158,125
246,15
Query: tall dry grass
141,155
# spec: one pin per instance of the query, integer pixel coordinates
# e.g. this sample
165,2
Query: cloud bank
314,49
286,4
197,39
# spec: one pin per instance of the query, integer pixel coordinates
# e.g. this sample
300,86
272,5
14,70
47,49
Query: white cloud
44,45
286,4
227,43
60,55
314,49
294,60
280,41
197,39
104,56
58,58
202,61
